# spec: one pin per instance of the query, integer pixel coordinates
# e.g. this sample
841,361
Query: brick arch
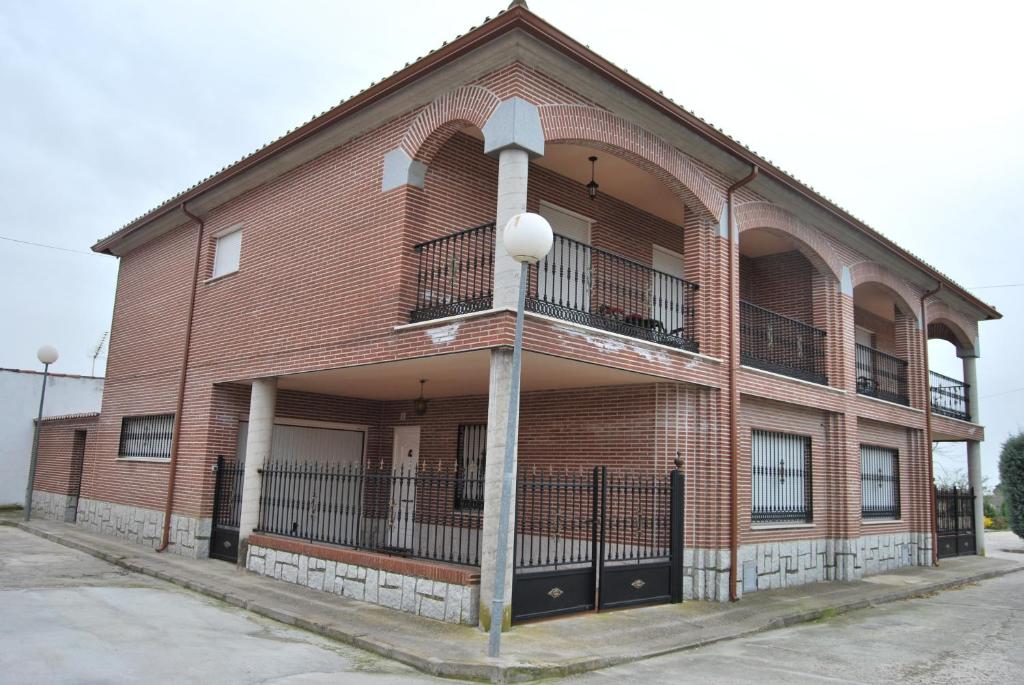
809,240
448,113
872,272
942,319
583,125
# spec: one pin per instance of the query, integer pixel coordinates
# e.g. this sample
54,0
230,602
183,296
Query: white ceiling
453,375
762,242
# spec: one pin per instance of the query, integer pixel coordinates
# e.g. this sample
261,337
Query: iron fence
455,274
777,343
949,396
396,511
590,286
879,482
881,375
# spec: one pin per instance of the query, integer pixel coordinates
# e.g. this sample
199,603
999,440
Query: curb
496,673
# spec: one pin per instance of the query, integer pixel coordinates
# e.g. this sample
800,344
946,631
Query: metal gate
227,504
954,521
596,540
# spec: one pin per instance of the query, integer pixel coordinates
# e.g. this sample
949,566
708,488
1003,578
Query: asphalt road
66,617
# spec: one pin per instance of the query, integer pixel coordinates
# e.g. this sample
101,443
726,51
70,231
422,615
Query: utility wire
1005,285
1005,392
49,247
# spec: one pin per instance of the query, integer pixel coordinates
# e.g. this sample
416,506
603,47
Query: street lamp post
47,354
527,239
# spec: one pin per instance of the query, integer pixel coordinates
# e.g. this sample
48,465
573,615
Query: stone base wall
772,565
54,506
189,537
438,600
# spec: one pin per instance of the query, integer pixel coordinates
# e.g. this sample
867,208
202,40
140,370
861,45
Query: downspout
176,431
734,440
928,426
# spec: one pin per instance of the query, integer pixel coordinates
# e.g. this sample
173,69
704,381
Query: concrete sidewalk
533,651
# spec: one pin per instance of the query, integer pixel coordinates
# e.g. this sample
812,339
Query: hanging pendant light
420,403
592,186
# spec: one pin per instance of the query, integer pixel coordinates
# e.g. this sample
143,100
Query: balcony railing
589,286
576,282
455,274
777,343
882,375
949,396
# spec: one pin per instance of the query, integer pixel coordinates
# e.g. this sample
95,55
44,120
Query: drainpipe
176,431
734,362
928,425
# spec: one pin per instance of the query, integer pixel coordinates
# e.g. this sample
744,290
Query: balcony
949,396
881,375
779,344
576,282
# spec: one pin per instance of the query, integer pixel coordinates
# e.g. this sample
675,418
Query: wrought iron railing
777,343
781,478
404,512
587,285
882,375
455,274
879,482
949,396
227,500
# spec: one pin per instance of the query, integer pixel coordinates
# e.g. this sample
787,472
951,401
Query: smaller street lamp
47,354
527,239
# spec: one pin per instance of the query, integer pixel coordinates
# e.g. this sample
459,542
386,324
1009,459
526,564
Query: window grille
146,436
469,491
879,482
780,478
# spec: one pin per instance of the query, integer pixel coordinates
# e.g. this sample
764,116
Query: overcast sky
910,115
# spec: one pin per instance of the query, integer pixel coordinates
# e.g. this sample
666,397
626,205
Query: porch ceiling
453,375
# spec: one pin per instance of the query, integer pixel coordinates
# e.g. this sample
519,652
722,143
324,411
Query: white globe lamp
47,354
528,237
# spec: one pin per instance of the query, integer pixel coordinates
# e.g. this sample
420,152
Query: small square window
227,251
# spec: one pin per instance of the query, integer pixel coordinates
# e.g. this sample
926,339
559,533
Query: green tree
1011,476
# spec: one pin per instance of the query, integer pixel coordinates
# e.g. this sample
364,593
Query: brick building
700,308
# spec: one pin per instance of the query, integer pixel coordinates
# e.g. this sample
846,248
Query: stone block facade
54,506
435,599
189,537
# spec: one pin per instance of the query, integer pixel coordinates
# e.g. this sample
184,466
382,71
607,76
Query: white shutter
227,252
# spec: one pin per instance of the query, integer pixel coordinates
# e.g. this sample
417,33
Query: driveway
66,617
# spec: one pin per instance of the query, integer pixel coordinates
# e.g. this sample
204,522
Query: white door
564,276
668,297
402,506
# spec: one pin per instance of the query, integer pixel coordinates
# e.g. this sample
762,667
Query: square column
262,404
974,449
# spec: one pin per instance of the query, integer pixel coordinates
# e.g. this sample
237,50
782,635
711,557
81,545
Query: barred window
146,436
879,482
780,478
469,488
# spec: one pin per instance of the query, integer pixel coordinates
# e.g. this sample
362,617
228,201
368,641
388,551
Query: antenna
96,351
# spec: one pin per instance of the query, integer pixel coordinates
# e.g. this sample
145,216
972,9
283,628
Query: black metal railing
777,343
405,512
881,375
455,274
949,396
879,482
146,437
781,478
593,287
227,498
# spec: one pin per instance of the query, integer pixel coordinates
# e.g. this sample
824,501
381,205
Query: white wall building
19,404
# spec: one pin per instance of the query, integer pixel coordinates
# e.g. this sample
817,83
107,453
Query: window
469,486
146,437
780,478
879,482
227,250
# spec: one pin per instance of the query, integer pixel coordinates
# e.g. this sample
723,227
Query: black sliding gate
954,521
227,504
596,540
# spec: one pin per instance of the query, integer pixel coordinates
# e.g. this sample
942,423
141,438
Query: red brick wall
779,282
62,444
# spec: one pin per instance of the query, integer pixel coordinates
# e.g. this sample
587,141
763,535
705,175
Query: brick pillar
909,347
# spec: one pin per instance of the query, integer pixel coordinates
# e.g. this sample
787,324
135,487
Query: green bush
990,511
1011,476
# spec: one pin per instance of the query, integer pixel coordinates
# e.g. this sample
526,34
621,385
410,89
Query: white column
513,167
974,450
257,451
